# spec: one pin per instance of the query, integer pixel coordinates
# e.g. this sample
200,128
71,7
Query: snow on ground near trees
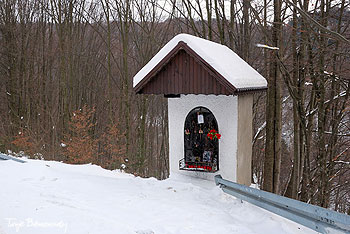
52,197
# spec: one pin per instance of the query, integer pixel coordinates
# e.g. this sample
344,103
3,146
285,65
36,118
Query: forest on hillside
66,94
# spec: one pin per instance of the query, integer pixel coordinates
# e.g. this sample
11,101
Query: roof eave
251,90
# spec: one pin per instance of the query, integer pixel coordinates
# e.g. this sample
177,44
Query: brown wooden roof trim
210,69
171,54
157,68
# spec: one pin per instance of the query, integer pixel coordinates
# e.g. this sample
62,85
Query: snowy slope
52,197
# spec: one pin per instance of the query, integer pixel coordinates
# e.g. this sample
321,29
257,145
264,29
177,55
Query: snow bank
52,197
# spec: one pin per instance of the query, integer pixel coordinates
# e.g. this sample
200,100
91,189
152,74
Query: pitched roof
223,60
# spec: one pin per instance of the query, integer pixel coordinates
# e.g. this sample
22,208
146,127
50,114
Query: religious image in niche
207,155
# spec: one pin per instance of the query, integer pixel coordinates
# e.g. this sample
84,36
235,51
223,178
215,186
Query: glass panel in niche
201,153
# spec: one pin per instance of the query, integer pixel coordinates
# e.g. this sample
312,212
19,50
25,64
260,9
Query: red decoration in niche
213,134
208,168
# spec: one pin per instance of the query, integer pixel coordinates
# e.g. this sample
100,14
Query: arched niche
200,152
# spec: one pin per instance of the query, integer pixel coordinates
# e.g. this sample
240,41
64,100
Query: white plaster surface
224,109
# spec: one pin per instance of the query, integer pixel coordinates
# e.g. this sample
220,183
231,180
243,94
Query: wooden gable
183,71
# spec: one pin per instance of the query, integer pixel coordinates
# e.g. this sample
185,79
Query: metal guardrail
317,218
8,157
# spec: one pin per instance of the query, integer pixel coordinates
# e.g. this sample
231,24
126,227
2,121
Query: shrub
81,147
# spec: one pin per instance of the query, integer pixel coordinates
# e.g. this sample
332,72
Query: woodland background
66,69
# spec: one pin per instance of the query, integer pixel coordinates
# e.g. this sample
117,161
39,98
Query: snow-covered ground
52,197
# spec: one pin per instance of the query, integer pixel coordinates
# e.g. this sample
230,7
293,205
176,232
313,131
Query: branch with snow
342,162
267,47
341,94
338,134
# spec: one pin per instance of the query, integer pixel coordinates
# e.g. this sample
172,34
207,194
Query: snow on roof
226,62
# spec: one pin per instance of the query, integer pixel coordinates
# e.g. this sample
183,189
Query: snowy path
51,197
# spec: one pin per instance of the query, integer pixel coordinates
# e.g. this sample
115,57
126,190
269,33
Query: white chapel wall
225,110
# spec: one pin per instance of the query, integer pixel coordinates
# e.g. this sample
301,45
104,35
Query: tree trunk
273,112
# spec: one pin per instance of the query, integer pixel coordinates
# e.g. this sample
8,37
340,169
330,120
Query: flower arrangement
213,134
